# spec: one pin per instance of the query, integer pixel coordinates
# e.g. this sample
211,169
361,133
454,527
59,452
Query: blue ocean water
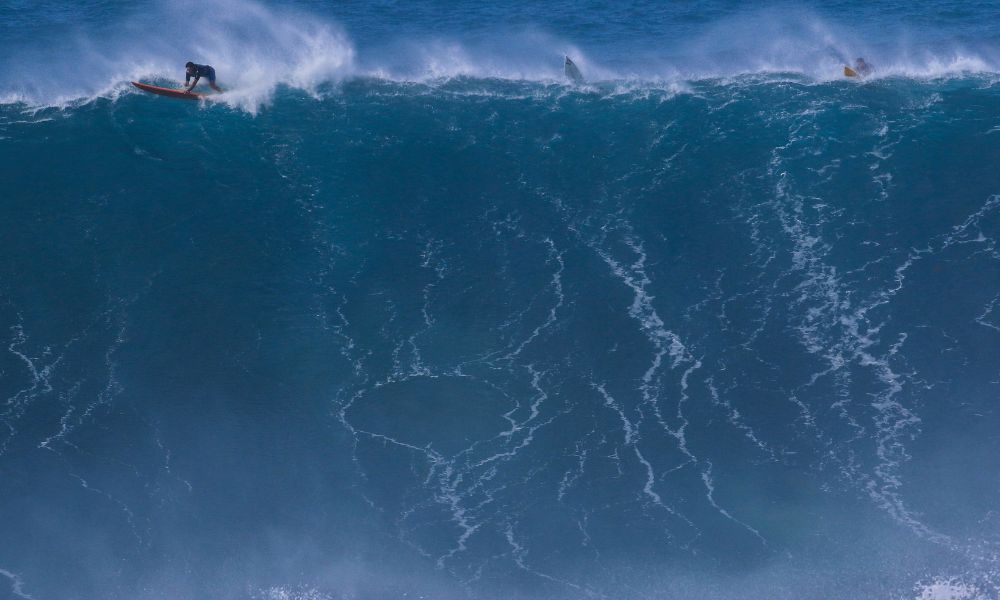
406,314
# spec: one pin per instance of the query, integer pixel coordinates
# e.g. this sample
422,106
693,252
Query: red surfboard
172,93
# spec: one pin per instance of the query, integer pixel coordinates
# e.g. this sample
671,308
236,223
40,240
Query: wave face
361,333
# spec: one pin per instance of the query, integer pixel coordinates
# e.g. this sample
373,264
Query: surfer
199,71
862,68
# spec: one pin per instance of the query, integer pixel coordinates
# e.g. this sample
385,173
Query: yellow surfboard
849,72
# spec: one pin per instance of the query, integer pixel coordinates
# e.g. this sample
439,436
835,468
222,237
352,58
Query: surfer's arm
194,83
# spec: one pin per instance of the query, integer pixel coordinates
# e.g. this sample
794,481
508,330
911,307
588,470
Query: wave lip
256,49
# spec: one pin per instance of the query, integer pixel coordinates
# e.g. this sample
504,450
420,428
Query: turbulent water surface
405,314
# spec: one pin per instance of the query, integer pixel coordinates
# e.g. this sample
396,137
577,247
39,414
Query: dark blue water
405,314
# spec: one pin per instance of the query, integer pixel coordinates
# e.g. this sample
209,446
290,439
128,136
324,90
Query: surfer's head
189,66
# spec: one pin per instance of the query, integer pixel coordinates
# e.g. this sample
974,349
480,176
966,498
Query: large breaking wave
378,329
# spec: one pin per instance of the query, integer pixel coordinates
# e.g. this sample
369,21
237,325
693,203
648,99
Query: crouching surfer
864,69
199,71
860,69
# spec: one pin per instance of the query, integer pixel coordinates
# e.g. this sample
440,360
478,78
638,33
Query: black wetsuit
201,71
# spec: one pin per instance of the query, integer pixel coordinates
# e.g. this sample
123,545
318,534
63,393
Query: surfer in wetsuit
199,71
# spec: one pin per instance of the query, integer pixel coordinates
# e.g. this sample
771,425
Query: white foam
292,593
948,589
16,584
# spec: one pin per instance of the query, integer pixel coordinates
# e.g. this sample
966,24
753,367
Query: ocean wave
398,316
257,50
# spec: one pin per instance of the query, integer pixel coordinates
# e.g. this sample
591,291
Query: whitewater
405,313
